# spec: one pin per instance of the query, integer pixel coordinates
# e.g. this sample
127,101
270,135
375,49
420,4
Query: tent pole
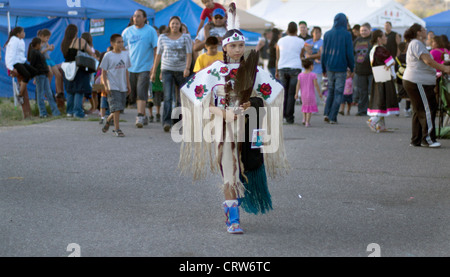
9,23
12,79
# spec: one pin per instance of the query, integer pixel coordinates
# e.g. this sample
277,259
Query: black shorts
26,71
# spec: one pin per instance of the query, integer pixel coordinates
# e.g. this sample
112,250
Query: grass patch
11,115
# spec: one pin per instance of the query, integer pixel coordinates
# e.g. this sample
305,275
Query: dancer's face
235,50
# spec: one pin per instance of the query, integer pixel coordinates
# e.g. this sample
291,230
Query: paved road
66,182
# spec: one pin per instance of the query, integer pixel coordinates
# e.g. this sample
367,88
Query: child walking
307,81
43,90
348,94
115,77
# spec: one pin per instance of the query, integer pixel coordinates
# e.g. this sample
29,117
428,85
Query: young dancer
383,97
227,90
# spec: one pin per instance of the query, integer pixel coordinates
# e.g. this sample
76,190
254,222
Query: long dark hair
228,87
88,38
35,41
14,32
375,35
69,35
275,37
411,32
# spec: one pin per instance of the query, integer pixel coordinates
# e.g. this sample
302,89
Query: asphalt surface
64,182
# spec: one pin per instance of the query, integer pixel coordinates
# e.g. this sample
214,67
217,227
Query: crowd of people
153,63
344,62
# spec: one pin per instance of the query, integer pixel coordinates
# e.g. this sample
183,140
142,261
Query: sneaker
69,115
433,145
326,119
139,121
145,120
307,124
158,117
333,122
166,128
408,113
151,118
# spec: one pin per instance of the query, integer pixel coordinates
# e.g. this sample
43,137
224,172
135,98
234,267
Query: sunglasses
218,17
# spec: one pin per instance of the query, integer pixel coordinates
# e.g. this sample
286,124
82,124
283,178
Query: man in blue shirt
337,56
141,41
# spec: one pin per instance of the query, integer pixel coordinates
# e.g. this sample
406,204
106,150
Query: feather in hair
233,18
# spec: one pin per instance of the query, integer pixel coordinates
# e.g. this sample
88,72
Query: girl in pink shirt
439,51
307,80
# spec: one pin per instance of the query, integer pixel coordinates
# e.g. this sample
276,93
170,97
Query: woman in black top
81,83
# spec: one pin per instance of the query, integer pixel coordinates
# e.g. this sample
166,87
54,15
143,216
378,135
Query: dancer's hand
246,105
229,116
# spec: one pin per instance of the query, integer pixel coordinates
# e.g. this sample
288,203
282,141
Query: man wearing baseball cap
215,28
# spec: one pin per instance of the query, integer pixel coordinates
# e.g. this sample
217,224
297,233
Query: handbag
84,60
70,70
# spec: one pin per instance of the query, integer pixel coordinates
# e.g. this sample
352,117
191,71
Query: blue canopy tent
59,14
190,12
439,23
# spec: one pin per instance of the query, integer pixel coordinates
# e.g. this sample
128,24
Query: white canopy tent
253,23
321,13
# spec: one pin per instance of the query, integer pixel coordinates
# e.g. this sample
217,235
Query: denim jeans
75,104
170,79
336,85
364,84
288,78
43,90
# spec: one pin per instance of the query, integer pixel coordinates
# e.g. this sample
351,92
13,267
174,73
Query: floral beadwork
224,70
189,83
233,74
214,72
265,90
200,90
